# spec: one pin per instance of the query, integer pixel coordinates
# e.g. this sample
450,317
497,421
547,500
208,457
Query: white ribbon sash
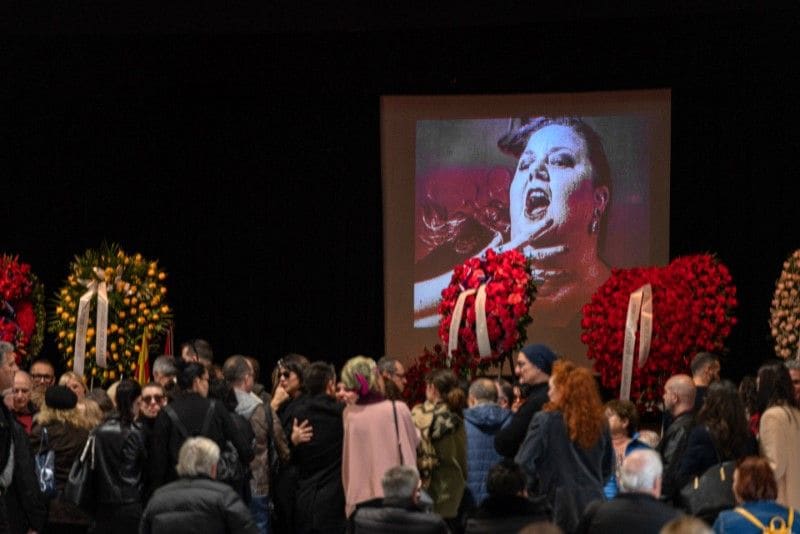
640,314
481,330
94,287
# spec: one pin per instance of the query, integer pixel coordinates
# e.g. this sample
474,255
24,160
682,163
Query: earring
594,227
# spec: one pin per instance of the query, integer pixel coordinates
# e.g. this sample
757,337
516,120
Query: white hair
197,456
400,482
640,471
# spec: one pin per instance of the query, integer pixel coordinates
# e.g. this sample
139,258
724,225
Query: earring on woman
594,227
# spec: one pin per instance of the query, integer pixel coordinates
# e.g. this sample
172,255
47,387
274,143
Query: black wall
244,152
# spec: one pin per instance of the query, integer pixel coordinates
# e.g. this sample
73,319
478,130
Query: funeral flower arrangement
22,314
510,291
785,309
693,301
110,306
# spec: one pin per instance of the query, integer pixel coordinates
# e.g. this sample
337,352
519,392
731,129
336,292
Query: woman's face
290,382
77,388
552,197
151,402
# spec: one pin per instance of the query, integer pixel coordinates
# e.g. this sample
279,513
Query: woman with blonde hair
74,382
442,455
567,453
378,434
61,427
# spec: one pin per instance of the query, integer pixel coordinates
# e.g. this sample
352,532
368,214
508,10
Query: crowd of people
206,447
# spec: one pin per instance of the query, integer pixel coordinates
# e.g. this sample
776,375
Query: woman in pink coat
378,434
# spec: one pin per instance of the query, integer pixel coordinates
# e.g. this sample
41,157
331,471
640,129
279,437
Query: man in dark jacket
196,502
400,512
679,392
636,508
533,367
319,501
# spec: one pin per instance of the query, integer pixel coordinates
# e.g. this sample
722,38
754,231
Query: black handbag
707,495
79,489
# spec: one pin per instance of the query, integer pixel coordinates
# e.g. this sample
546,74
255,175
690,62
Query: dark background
241,147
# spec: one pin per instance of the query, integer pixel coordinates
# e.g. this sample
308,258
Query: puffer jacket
192,505
482,422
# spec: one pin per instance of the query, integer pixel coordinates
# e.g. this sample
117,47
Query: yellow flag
142,368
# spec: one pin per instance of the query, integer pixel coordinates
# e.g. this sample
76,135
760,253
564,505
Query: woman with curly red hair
567,453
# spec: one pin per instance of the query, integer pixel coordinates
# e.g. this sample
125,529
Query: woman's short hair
360,372
755,480
625,409
197,457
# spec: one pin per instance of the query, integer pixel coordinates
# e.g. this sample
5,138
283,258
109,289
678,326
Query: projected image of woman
558,197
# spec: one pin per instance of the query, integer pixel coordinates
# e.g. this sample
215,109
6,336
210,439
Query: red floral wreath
21,308
693,302
510,291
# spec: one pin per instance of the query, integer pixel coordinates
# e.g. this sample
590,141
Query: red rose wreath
693,302
510,291
22,312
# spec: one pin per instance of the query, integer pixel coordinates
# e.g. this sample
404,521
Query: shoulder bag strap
176,422
791,518
750,517
209,416
397,433
43,444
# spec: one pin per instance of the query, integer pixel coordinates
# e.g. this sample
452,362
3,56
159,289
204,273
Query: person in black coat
636,508
507,507
196,502
533,367
679,394
400,512
191,408
319,502
119,456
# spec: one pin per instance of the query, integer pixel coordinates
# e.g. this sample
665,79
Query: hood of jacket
246,403
487,417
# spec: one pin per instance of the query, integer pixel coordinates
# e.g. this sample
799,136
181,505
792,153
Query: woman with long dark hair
120,454
442,455
567,453
780,430
190,414
721,433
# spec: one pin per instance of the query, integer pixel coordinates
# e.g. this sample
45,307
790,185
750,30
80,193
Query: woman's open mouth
536,203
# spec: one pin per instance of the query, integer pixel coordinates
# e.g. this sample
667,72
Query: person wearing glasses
190,414
43,375
534,364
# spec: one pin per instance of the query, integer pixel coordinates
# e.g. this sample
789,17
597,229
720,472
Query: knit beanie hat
60,398
541,356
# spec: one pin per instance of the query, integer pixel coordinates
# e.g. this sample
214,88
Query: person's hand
301,433
279,397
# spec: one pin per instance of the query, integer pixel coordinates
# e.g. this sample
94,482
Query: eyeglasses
147,399
42,378
286,374
14,391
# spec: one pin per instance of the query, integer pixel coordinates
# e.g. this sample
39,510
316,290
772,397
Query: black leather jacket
672,447
119,456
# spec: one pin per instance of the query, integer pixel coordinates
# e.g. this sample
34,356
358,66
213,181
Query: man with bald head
679,394
22,408
482,420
